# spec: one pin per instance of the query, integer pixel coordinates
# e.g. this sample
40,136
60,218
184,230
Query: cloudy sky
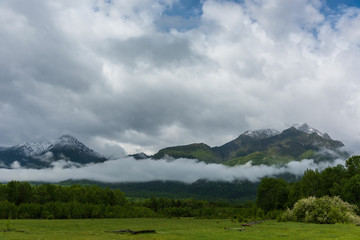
130,76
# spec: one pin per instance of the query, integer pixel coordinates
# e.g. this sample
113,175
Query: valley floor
184,228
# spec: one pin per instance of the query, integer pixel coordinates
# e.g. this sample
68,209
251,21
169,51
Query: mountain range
266,146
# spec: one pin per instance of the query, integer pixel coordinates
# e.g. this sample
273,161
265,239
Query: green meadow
183,228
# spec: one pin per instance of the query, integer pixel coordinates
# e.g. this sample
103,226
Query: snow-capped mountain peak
68,140
38,148
262,133
304,127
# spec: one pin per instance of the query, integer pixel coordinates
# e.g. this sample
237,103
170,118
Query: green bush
285,216
324,210
274,214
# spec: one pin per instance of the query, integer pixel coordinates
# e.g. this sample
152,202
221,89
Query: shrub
326,209
274,214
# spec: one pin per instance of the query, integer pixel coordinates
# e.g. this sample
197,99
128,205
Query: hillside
198,151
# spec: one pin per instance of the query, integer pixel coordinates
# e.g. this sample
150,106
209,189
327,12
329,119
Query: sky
137,76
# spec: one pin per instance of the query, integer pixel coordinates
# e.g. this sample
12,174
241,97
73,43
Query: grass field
171,229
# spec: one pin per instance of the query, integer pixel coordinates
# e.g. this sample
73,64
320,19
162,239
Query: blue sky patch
185,14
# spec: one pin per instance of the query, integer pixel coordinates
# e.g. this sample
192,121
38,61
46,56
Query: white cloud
15,165
130,170
110,148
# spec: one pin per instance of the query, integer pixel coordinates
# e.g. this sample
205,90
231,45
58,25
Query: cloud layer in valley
142,75
130,170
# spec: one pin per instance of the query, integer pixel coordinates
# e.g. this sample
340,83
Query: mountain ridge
264,146
304,127
262,133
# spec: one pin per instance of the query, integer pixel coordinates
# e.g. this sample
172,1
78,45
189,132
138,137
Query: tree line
21,200
48,201
342,181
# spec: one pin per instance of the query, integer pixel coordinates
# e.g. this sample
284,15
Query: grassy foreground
185,228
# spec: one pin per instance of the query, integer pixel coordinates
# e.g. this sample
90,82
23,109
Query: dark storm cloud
159,50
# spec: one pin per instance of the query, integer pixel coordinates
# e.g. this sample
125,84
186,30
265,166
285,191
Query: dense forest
22,200
214,191
342,181
275,196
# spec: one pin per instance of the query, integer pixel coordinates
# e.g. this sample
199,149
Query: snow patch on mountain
262,133
34,148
